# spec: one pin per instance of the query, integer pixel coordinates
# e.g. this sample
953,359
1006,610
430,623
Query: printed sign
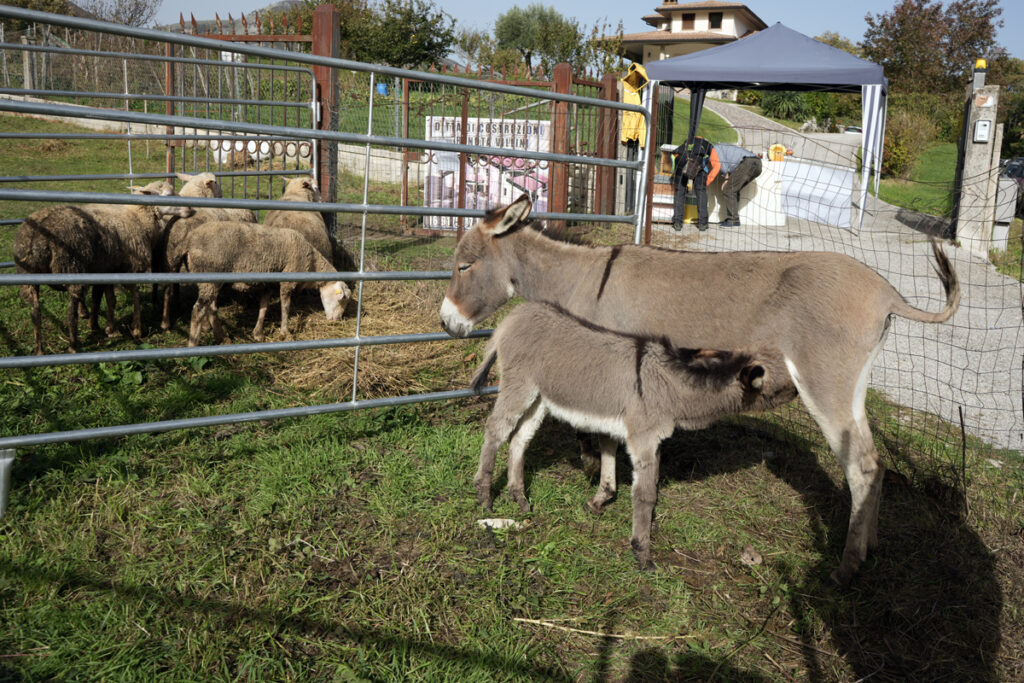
489,180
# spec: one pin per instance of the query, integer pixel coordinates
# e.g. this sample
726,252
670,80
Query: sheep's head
162,188
335,296
200,185
301,189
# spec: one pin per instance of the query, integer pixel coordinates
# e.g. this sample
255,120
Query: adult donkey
827,313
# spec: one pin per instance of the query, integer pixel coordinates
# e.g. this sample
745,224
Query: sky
810,17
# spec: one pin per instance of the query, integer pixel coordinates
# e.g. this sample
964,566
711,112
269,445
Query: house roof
664,11
666,37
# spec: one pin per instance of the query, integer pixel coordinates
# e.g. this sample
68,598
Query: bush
831,109
749,97
907,134
944,112
785,104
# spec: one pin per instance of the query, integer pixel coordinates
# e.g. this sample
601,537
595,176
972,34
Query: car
853,129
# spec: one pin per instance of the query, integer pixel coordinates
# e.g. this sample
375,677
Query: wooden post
558,190
607,136
326,25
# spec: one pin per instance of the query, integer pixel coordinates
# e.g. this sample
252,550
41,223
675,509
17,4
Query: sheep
231,246
633,388
309,224
172,252
92,238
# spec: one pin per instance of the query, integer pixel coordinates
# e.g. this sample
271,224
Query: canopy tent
779,58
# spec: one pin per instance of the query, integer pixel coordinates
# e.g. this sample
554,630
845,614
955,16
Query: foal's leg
606,487
643,451
527,427
512,403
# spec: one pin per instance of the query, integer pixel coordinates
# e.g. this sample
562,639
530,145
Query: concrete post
976,203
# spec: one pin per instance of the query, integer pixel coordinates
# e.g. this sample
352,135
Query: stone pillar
979,167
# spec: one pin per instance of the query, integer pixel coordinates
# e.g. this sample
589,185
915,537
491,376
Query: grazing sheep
171,255
309,224
226,246
634,388
93,238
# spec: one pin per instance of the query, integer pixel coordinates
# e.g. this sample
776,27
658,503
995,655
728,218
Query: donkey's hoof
594,508
524,505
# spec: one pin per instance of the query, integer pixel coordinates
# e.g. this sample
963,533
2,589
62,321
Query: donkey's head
482,277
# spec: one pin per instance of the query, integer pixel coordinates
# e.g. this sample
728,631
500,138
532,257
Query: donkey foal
634,389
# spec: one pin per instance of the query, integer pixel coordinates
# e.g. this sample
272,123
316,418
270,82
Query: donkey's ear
515,214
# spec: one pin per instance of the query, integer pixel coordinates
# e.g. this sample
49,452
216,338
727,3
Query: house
679,28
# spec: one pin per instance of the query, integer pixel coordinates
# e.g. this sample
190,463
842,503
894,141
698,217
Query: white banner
490,180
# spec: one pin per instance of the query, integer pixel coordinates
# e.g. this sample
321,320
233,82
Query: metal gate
225,100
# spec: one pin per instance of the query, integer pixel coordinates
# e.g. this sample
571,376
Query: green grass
930,186
712,127
346,547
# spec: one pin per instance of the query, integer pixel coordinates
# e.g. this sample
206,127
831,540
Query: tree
125,12
54,6
924,46
541,34
406,33
537,31
842,42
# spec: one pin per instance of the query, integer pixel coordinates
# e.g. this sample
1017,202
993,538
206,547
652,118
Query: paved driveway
973,362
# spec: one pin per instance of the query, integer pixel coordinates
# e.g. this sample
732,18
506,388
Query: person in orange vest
738,167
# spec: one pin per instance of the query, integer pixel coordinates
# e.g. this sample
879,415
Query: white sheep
231,246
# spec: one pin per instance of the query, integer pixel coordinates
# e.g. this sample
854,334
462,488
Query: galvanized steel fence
408,153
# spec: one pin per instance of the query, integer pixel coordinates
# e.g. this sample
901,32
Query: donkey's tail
480,378
950,282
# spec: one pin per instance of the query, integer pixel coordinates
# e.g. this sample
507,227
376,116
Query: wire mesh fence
947,387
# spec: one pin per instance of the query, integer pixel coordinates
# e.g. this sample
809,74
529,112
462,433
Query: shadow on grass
925,606
647,665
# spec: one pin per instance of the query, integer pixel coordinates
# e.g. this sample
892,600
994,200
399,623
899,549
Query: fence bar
6,461
168,278
201,202
35,92
215,420
218,45
141,56
10,362
289,132
124,176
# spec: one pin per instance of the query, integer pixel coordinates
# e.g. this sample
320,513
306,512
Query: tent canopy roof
777,58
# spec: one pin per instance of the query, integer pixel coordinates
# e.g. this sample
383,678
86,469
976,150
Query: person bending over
738,167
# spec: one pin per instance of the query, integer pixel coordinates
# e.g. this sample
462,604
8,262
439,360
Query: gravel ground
973,362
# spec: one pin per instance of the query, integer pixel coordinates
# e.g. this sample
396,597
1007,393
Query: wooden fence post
558,190
607,136
326,25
